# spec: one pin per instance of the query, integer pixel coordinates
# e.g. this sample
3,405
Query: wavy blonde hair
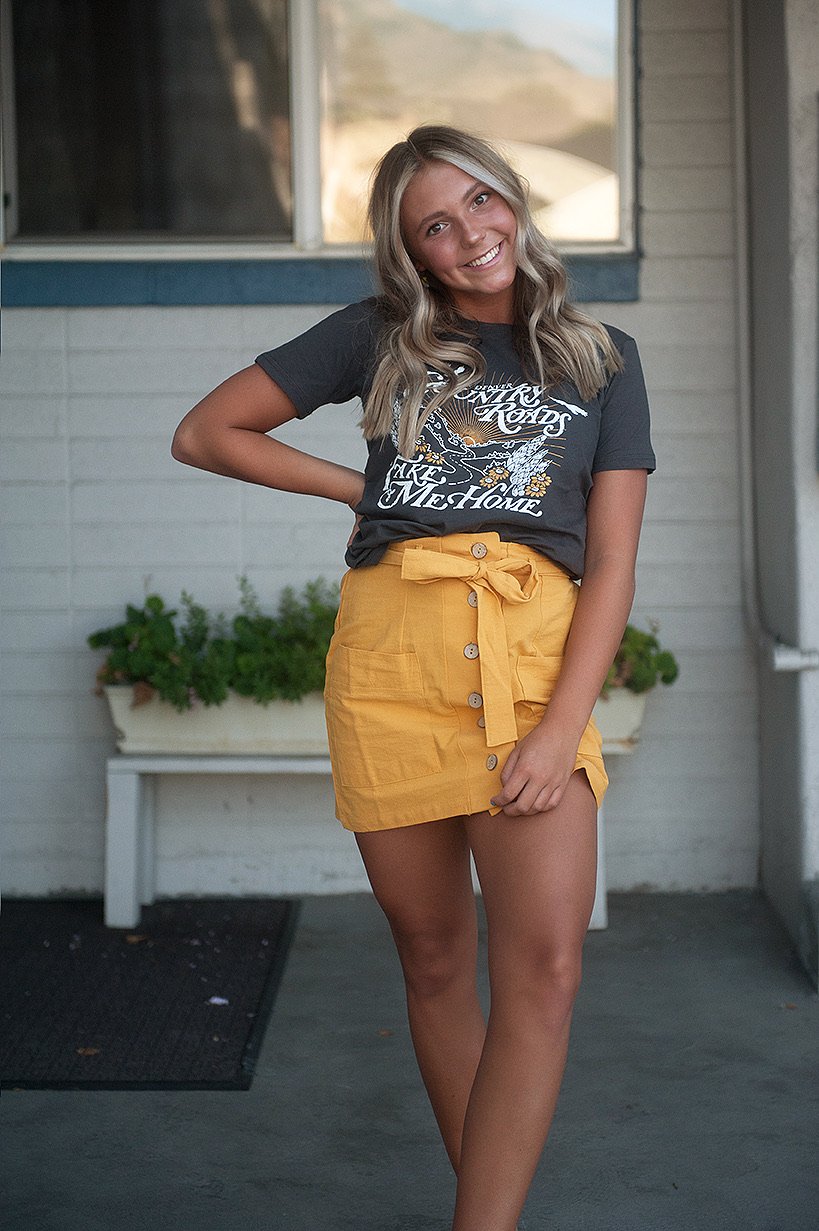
423,330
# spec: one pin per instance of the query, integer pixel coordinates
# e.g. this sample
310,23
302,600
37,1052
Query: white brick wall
95,513
683,812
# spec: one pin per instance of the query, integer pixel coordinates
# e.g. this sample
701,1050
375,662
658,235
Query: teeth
487,256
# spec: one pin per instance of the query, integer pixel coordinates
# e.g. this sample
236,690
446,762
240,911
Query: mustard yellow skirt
445,653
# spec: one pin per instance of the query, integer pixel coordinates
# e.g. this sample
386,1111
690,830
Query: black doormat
180,1002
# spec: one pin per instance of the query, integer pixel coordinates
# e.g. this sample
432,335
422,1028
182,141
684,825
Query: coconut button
491,761
471,650
474,700
479,550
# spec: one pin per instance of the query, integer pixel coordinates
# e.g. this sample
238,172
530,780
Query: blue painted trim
89,283
604,279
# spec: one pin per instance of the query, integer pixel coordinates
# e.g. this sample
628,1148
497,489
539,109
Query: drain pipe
779,656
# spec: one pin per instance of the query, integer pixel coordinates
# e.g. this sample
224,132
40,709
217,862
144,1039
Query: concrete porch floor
691,1099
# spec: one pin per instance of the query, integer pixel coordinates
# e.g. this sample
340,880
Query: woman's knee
543,980
435,956
562,973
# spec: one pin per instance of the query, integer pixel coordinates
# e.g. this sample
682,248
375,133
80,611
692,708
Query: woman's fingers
355,529
533,778
525,792
512,783
533,799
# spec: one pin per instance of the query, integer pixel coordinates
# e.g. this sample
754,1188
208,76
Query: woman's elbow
615,568
184,445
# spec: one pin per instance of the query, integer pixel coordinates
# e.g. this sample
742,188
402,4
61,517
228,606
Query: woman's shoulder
359,324
622,340
370,312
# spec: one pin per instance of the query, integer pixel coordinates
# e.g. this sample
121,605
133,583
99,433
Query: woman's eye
481,198
435,228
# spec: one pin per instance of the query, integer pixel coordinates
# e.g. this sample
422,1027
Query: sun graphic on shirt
468,429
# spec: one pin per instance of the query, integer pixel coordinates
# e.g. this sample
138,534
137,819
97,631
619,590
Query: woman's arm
540,765
226,433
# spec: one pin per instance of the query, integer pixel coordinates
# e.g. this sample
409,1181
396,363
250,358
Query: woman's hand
536,771
357,523
539,766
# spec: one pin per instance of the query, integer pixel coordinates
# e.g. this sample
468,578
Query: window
257,122
151,119
538,77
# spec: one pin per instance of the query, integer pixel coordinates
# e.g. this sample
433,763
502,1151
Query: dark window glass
139,119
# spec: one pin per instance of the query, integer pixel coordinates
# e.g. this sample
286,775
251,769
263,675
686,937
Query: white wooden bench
130,848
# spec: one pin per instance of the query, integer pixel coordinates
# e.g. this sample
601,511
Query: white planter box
619,717
238,726
242,726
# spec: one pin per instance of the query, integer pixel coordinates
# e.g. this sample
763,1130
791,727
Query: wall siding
683,811
96,513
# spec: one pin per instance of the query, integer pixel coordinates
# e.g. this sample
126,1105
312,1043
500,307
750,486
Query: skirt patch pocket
378,724
537,675
536,679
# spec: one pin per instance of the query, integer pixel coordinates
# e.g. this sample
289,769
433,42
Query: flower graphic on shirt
425,453
537,485
494,476
528,464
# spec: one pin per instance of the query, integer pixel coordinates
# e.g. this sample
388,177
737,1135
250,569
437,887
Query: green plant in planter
197,657
283,655
640,662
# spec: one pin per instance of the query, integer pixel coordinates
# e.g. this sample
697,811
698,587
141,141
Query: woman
508,449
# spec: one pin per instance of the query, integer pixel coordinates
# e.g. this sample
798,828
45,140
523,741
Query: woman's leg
537,875
421,877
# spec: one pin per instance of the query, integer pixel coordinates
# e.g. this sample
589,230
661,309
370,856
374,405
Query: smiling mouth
485,259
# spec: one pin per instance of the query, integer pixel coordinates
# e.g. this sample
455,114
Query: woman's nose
472,232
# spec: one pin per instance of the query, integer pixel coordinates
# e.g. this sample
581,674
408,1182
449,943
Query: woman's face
463,233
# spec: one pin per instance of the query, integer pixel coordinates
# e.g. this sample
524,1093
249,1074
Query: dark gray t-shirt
503,456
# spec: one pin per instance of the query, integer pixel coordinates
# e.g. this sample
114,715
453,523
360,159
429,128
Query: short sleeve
625,437
332,362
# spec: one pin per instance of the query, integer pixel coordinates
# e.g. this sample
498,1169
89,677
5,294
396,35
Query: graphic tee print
504,456
493,447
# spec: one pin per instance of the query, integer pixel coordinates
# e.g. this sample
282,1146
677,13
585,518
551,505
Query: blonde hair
423,330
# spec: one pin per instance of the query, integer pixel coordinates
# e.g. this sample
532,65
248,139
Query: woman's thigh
537,877
421,877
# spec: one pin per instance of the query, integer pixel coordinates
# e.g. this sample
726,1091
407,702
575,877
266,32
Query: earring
423,276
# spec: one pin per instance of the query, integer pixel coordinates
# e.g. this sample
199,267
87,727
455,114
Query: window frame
74,272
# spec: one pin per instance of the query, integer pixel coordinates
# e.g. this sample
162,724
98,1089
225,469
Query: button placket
472,649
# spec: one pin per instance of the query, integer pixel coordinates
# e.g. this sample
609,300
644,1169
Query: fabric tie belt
513,580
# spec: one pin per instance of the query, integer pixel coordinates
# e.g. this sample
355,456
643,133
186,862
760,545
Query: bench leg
123,850
600,914
147,840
